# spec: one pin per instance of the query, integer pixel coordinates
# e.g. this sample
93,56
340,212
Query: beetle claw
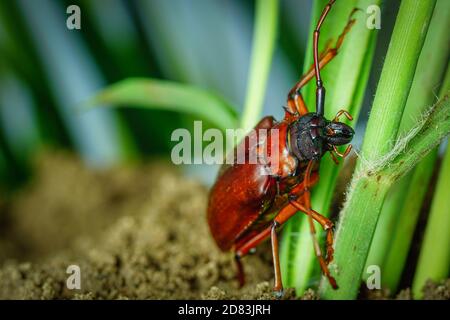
333,283
278,294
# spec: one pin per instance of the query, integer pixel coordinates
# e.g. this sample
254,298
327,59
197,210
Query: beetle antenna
320,91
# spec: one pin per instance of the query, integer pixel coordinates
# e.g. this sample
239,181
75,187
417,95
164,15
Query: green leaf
264,38
171,96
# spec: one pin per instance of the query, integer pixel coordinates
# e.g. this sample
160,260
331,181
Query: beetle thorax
306,137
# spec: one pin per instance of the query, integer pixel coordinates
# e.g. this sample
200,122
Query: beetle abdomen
237,200
239,196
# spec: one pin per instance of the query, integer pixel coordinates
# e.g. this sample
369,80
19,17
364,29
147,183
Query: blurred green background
47,70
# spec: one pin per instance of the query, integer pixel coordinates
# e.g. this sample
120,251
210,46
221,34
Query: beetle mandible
246,207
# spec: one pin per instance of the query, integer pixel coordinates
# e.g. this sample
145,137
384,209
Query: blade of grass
370,184
386,225
414,187
264,36
428,75
407,218
167,95
345,89
367,190
434,259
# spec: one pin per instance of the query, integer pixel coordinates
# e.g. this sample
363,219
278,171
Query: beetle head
338,133
311,136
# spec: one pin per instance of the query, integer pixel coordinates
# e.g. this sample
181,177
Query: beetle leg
287,212
240,270
283,215
278,185
296,106
278,286
324,58
326,224
243,249
307,201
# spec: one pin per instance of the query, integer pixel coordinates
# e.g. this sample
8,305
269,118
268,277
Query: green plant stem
386,225
408,215
427,78
264,36
367,191
434,259
345,79
370,184
416,186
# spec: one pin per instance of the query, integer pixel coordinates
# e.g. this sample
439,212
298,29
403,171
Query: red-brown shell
238,197
244,193
236,201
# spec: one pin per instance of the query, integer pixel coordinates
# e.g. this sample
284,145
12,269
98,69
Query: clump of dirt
404,294
431,291
437,290
135,233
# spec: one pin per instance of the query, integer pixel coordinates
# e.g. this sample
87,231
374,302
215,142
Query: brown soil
135,232
437,291
431,291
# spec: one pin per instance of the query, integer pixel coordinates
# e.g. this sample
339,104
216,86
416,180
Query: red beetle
246,205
